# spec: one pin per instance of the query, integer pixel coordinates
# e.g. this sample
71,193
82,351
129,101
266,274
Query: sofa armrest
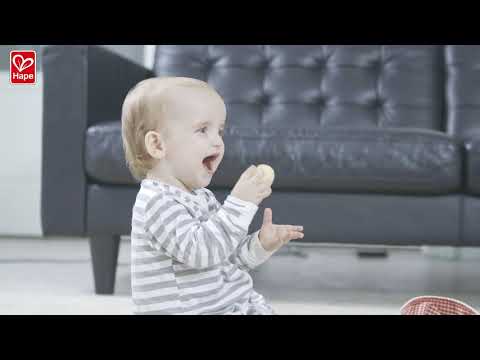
82,85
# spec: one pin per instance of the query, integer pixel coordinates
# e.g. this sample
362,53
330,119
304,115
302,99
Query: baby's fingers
292,227
266,192
250,172
296,235
291,235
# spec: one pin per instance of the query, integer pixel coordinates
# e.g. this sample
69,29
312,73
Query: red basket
436,305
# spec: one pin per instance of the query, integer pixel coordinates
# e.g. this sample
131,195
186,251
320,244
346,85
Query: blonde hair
142,112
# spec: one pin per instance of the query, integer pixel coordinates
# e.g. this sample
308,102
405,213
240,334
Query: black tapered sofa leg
104,251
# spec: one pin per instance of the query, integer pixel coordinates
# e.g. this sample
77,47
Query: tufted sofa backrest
463,90
314,86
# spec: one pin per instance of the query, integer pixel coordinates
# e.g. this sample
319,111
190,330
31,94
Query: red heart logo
21,63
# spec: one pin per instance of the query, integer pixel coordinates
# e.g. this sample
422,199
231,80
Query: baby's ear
154,145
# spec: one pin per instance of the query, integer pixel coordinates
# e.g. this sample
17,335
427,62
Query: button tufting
262,99
321,101
321,63
378,102
210,63
376,65
266,64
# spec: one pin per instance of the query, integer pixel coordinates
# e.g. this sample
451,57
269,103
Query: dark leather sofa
370,144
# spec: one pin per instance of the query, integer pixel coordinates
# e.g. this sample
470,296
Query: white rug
54,277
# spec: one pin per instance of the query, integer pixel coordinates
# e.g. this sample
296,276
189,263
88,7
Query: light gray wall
21,144
20,148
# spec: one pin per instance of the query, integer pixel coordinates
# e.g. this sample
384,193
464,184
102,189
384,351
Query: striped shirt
191,255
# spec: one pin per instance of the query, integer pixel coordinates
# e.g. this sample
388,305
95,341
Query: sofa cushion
472,147
346,160
334,160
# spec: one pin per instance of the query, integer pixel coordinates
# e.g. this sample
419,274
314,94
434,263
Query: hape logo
23,67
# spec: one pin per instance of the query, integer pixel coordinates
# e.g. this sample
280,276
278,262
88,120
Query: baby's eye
221,132
203,130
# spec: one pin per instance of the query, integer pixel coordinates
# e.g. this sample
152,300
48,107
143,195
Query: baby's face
194,145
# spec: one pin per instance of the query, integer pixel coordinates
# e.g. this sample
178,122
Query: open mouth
209,162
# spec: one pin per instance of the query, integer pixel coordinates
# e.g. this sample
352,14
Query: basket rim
436,297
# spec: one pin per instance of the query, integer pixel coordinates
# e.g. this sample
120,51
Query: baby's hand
273,236
251,187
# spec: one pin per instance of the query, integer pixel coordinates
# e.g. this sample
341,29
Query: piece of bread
268,173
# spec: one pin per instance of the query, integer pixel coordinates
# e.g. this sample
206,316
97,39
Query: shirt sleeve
250,253
196,243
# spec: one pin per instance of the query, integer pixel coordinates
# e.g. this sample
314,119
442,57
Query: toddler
191,254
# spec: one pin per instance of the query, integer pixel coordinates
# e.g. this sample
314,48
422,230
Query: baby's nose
217,141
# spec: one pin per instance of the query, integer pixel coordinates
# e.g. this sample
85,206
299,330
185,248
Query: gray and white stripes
191,255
